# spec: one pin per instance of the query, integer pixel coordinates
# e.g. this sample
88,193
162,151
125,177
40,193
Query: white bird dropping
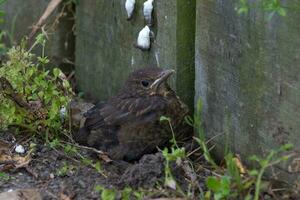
62,113
148,8
129,5
20,149
143,41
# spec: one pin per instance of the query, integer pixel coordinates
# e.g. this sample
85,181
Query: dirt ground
58,175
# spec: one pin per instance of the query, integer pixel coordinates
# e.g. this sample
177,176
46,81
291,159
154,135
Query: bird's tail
81,136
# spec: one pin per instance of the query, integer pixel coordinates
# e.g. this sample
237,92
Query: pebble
20,149
82,184
51,176
267,197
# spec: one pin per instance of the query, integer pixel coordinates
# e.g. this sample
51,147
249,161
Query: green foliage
220,186
125,194
176,154
4,176
168,120
196,122
46,93
274,157
69,149
65,169
234,181
139,195
2,33
270,6
234,184
106,194
72,150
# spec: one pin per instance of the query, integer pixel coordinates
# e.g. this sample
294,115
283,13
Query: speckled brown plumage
128,125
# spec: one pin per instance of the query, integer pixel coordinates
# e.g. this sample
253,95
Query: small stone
44,150
51,176
267,197
82,184
20,149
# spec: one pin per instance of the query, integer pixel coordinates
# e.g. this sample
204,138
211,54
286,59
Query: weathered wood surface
21,15
248,77
105,54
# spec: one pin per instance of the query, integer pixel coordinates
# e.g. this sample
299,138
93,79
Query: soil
57,174
44,173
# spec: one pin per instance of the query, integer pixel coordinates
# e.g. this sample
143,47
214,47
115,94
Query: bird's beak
162,78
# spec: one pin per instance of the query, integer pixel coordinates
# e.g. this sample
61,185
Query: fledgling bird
128,125
144,39
129,6
147,11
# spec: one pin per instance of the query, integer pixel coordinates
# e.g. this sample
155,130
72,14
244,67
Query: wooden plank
248,77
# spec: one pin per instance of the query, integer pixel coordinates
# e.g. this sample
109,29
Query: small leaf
164,118
56,72
281,11
98,167
253,172
286,147
108,194
171,183
126,193
213,183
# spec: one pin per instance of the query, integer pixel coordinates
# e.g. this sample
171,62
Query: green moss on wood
186,13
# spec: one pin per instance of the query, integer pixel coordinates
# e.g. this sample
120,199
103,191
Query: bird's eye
145,83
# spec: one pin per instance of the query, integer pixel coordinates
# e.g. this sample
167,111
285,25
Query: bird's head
149,81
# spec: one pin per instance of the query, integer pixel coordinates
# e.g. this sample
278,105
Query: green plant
30,96
4,176
196,122
175,155
139,195
62,171
72,150
126,193
219,186
106,194
233,181
2,33
232,184
270,6
274,157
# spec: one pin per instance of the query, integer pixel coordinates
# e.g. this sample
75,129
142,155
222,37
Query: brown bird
128,125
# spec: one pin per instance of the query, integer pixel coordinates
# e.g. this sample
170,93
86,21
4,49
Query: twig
208,141
212,138
50,8
85,147
65,155
211,148
192,152
30,171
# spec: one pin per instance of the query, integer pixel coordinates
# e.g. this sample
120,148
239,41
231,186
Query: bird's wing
120,111
94,119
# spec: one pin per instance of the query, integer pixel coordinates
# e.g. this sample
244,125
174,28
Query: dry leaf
21,195
105,158
64,197
8,161
239,164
